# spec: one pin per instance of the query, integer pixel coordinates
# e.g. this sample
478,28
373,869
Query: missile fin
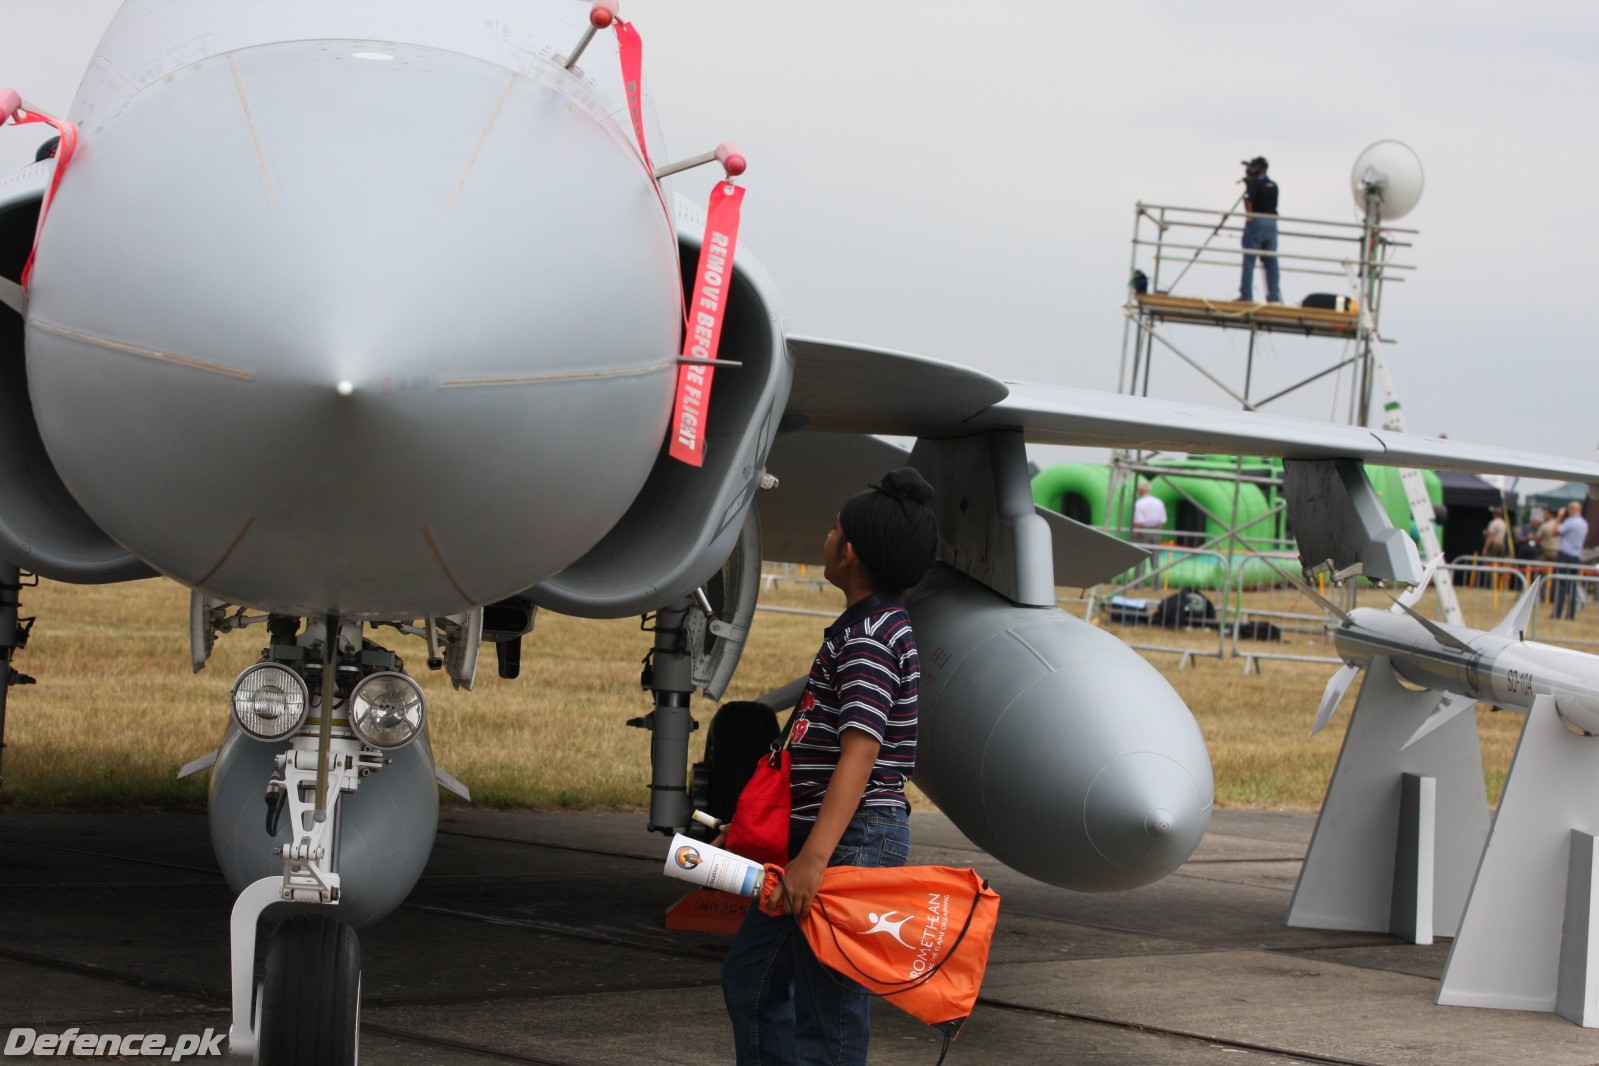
1521,614
1412,596
1442,635
1337,685
1448,707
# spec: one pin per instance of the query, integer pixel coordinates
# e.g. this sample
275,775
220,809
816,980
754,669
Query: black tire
311,994
741,732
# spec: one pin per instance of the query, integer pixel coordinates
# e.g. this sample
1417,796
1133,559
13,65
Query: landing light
270,701
380,57
386,710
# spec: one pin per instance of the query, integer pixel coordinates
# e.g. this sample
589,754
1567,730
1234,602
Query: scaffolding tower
1360,255
1163,317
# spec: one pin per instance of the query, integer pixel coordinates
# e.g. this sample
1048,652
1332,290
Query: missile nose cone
1144,812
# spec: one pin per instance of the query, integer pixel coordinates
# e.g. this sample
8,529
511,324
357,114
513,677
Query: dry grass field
116,709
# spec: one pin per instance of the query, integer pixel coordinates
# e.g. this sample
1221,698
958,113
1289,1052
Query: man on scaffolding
1260,232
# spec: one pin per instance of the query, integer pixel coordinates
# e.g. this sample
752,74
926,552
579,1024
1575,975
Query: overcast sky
959,180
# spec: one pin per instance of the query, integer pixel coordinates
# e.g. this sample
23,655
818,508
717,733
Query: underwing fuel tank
1051,744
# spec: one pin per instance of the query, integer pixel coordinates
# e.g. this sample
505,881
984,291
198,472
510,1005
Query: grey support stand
1400,831
1527,939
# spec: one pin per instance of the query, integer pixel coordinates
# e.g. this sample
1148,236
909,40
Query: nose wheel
311,994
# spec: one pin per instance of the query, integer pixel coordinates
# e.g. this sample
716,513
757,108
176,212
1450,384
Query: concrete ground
538,938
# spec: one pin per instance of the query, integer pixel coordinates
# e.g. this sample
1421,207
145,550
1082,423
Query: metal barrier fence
1580,631
1230,576
1253,614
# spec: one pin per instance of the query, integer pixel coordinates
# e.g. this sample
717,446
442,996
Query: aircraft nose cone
1144,812
316,333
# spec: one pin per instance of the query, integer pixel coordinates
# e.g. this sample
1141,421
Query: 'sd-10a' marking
1520,682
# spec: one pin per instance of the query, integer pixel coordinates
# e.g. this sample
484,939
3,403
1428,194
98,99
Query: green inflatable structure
1198,490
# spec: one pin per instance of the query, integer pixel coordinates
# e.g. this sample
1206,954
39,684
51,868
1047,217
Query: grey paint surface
1509,951
385,828
472,247
1348,880
819,470
1055,415
42,527
1053,745
849,388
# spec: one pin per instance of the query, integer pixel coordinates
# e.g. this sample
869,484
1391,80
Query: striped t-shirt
864,677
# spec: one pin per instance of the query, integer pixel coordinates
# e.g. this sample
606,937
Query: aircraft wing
844,388
816,471
867,390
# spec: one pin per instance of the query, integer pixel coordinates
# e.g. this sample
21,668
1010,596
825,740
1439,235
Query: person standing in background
1149,517
1149,522
1573,532
1548,535
1495,543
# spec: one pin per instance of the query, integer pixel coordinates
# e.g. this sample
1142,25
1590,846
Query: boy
852,748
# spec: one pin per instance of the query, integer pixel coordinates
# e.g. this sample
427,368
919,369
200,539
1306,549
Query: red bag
759,830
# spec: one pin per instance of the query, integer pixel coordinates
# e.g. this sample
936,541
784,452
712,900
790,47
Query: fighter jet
349,314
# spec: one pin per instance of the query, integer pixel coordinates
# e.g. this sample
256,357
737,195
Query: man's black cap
1258,161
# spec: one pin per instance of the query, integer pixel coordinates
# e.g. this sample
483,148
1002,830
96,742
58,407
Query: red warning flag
703,322
14,108
630,47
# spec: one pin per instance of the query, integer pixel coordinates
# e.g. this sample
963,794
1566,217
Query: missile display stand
1527,939
1401,829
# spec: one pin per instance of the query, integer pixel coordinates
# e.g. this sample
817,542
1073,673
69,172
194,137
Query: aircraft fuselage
363,308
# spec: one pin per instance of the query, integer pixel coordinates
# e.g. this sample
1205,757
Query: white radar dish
1395,169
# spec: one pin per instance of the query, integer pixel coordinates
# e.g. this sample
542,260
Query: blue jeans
786,1007
1566,586
1261,234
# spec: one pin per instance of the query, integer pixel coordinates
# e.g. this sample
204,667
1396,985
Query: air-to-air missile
1497,666
1403,843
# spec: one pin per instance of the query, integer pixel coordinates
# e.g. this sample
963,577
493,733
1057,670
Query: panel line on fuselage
134,349
444,567
535,379
477,149
255,132
226,555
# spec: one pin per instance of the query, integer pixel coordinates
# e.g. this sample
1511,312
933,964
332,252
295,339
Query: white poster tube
701,864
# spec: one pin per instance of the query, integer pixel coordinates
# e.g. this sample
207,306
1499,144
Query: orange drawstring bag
918,936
